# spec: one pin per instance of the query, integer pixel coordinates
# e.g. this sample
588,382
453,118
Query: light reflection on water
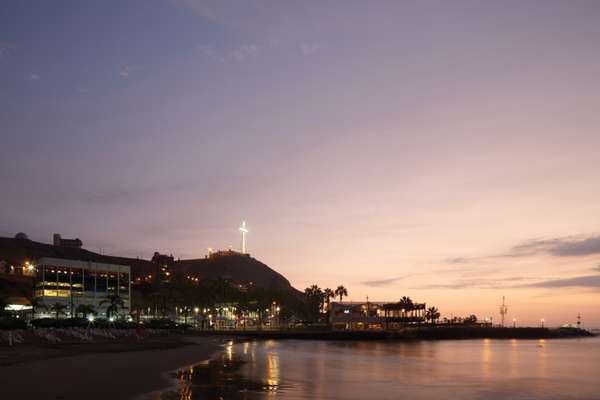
469,369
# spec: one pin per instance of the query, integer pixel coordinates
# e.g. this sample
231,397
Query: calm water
473,369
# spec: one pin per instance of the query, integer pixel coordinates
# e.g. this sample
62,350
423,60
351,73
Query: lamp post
542,321
514,322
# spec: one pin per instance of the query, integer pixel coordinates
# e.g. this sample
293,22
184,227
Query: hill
241,269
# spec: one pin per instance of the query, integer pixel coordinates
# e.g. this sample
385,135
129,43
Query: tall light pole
542,321
244,231
503,311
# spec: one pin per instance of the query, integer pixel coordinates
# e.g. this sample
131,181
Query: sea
357,370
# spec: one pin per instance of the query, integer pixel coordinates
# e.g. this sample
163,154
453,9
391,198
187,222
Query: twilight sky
445,150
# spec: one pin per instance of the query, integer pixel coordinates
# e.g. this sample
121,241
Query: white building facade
74,283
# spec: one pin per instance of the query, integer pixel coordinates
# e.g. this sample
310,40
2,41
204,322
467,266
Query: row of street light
542,321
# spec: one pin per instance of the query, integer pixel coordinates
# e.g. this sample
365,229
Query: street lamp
542,321
514,322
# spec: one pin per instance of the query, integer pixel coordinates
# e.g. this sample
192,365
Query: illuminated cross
244,231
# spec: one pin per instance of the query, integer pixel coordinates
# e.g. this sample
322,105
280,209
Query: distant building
164,264
21,236
375,315
59,241
356,316
225,253
162,259
73,283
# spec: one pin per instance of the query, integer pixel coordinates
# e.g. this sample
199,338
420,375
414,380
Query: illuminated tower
244,231
503,311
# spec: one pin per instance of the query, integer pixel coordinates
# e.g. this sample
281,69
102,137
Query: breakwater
419,333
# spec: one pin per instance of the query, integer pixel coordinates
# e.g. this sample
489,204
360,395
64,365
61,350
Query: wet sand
116,374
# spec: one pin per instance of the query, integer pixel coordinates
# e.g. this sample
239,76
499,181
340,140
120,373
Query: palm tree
341,292
114,302
186,313
58,309
3,304
328,294
432,314
35,304
406,303
315,298
85,310
242,308
313,291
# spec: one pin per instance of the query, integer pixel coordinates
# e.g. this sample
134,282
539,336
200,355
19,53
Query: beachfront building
375,315
356,316
72,283
399,315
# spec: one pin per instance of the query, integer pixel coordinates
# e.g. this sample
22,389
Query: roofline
62,262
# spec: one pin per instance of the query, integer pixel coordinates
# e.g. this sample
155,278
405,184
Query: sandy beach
100,372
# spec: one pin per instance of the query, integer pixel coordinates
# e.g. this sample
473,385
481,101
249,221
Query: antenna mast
503,311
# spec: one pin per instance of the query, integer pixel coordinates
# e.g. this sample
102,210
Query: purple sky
449,150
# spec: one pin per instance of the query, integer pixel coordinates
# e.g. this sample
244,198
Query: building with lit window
375,315
356,316
73,283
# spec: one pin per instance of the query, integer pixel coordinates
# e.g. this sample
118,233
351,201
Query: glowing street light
244,230
514,322
542,321
30,267
90,318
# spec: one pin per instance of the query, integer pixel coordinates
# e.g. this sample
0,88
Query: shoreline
169,377
103,372
409,334
31,352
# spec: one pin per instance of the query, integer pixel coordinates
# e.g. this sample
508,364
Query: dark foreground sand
110,375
